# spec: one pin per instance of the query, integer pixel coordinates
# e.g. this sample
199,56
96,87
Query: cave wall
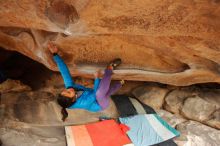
168,41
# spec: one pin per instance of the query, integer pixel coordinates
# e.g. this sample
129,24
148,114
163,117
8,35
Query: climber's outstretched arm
63,69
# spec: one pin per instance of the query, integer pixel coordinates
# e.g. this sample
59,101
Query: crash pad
103,133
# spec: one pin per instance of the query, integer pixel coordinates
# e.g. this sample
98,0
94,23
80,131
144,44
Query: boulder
215,120
13,86
196,134
175,42
197,109
151,95
174,99
39,136
211,95
199,104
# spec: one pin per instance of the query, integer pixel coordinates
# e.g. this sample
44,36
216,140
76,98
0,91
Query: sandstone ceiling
168,41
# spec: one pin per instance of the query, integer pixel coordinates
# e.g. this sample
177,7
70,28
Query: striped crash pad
103,133
148,129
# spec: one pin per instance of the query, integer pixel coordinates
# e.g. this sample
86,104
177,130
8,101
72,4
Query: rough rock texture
192,133
168,41
13,86
174,100
197,134
215,120
198,109
36,136
195,103
151,95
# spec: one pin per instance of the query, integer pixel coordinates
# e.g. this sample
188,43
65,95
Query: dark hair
64,102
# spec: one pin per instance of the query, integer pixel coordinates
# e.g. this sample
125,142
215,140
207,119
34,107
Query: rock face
192,133
197,134
198,109
174,42
44,136
151,95
13,86
196,104
174,100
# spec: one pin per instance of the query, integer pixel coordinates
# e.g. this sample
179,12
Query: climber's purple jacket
87,100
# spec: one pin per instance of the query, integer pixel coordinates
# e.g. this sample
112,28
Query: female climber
78,96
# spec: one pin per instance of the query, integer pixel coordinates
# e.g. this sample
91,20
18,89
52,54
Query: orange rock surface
168,41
